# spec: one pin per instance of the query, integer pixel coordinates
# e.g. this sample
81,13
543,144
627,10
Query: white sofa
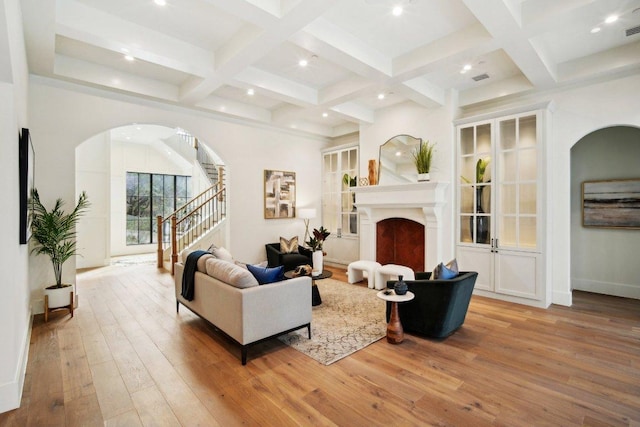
249,315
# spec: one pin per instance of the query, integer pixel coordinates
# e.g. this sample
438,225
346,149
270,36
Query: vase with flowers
315,243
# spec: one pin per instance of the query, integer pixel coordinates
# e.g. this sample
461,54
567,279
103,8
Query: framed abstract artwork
279,194
611,204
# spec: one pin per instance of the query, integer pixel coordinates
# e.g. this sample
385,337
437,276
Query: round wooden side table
395,333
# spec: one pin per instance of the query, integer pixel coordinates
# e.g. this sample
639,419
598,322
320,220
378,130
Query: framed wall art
611,204
279,194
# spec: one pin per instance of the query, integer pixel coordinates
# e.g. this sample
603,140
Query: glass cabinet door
475,187
517,182
339,213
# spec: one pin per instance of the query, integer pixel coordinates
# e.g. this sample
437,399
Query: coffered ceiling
360,57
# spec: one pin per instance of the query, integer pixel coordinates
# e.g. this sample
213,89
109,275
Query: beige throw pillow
230,273
289,246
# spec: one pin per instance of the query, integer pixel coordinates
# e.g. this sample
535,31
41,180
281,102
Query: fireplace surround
422,202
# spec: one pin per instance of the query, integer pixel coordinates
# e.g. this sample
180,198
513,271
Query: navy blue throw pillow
266,275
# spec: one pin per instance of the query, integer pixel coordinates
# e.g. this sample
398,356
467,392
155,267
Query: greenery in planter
319,236
423,156
54,232
481,168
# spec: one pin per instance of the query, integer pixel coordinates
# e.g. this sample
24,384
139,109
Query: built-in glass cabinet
340,169
499,203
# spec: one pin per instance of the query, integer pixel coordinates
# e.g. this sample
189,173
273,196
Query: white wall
15,311
601,257
64,115
93,176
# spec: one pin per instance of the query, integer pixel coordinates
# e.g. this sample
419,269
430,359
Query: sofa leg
177,306
309,330
244,355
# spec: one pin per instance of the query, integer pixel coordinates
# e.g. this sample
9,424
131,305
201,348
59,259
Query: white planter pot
423,177
59,297
317,263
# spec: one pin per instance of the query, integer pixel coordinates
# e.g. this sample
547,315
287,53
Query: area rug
350,318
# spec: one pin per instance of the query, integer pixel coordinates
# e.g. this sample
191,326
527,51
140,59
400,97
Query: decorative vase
423,177
317,262
481,222
400,287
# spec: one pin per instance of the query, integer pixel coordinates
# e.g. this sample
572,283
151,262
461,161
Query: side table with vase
395,333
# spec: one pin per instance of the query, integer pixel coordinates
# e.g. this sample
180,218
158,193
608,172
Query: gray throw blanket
188,275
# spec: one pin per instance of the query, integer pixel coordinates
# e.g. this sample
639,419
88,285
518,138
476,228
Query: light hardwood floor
127,359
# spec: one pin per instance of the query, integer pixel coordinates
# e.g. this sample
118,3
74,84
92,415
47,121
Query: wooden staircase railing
184,226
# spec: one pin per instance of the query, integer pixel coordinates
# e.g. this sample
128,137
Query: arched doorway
603,260
105,163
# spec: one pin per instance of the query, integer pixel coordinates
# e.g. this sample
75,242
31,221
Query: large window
150,195
340,168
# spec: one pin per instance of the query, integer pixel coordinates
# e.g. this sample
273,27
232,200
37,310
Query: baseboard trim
11,392
562,298
608,288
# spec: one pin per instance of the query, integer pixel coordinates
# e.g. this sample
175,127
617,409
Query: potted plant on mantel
54,235
422,157
315,243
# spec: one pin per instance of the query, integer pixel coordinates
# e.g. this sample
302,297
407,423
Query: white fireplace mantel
422,202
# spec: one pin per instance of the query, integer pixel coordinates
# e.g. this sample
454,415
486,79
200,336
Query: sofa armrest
276,307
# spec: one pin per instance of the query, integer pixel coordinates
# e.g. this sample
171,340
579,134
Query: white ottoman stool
356,268
385,273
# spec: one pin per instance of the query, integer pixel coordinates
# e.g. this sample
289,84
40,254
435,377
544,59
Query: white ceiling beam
346,42
355,110
344,90
235,108
247,53
498,19
77,69
472,41
592,66
422,92
496,90
88,25
286,90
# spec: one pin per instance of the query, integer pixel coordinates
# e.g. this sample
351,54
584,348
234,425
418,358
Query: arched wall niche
603,259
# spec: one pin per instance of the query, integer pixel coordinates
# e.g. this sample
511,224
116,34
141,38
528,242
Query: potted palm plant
54,235
422,157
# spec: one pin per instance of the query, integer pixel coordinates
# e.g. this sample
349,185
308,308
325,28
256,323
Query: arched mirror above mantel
396,160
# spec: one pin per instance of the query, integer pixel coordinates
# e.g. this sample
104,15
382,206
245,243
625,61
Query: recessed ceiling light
160,2
325,114
381,96
303,63
250,92
595,30
397,10
398,153
467,67
611,19
129,57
